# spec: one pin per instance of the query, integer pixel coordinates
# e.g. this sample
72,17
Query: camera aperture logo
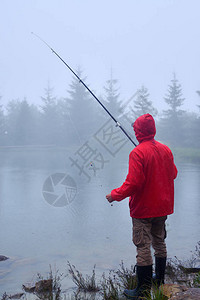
59,189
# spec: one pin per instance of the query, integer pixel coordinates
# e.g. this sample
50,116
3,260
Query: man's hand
109,198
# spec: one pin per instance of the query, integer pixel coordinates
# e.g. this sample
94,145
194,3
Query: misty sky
143,41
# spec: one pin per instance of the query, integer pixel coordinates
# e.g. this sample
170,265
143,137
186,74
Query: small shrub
87,284
110,288
50,287
4,296
126,277
156,294
197,250
177,271
196,281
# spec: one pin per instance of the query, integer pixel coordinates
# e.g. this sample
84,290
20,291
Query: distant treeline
74,118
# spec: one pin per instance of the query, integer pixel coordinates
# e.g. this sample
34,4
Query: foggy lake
60,152
82,228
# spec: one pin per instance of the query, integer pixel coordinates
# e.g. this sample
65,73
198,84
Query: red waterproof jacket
150,180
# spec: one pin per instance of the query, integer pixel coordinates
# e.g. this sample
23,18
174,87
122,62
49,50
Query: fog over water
60,152
143,42
35,233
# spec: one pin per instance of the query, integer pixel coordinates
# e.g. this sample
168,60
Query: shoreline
182,281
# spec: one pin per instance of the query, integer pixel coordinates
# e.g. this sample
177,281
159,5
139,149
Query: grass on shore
111,287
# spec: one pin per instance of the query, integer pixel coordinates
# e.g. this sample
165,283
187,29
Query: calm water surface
88,231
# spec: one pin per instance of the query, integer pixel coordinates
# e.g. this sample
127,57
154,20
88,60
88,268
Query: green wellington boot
144,278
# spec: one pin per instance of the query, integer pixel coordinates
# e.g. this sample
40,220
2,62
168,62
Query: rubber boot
160,265
144,278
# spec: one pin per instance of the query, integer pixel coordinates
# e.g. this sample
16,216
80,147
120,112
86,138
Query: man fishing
150,188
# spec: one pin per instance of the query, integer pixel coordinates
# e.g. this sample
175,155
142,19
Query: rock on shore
2,257
178,292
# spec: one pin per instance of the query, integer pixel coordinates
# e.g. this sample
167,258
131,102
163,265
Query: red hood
144,128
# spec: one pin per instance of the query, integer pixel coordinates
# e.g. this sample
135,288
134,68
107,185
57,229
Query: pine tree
80,110
113,104
173,123
142,104
174,100
49,101
51,119
22,121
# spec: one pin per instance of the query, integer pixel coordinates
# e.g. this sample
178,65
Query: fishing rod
83,83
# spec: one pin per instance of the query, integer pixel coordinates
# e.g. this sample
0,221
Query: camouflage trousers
147,233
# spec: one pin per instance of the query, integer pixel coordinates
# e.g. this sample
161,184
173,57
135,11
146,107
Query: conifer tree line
73,118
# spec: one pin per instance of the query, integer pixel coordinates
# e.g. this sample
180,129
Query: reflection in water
88,231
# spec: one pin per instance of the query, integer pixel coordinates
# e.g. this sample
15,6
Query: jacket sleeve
175,168
134,179
175,171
